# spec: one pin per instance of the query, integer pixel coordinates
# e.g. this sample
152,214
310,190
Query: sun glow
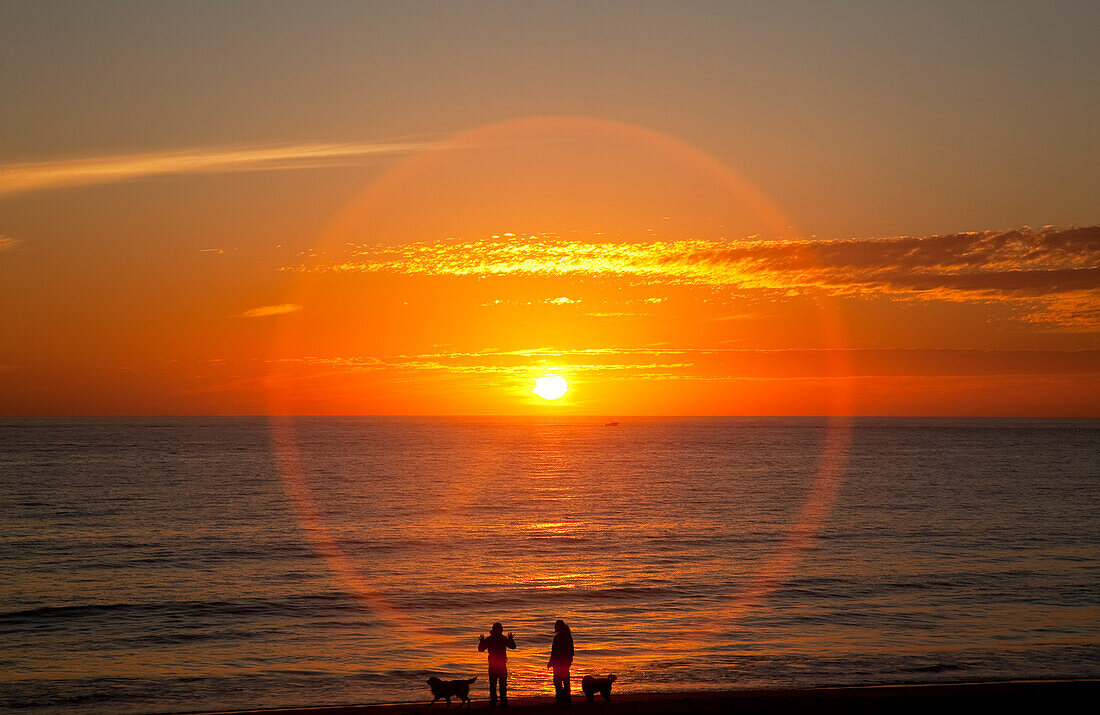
551,387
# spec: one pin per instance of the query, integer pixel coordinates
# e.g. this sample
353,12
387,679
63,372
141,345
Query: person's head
560,627
497,628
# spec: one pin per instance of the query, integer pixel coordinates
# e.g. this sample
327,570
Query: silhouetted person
497,644
561,658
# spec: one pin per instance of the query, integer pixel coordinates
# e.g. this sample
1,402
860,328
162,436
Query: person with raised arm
497,644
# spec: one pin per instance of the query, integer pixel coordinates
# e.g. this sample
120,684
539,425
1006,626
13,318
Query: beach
941,698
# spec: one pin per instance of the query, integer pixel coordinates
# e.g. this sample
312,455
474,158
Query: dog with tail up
448,689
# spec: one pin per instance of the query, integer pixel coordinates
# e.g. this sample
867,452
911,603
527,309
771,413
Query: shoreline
904,697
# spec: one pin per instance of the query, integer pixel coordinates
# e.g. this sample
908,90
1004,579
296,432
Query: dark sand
973,698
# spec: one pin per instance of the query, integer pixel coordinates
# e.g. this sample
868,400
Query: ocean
172,565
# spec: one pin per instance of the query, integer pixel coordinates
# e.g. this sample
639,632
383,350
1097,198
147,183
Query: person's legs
504,689
561,685
493,688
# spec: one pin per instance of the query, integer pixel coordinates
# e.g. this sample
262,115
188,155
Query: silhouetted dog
591,686
448,689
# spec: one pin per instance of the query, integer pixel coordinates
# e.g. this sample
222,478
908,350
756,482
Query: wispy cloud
726,363
562,300
617,314
1050,275
7,242
728,318
38,176
266,311
1045,261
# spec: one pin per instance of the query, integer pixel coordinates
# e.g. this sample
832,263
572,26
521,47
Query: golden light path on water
782,562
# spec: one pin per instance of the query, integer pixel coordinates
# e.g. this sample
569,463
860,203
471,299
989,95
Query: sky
790,208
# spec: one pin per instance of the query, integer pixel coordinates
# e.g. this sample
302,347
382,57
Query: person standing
497,644
561,659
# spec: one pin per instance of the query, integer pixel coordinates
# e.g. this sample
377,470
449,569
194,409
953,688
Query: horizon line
533,415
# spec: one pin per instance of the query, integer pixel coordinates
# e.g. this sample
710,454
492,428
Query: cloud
7,242
1021,262
563,300
1049,260
1050,275
353,362
265,311
710,364
617,314
738,316
1075,312
39,176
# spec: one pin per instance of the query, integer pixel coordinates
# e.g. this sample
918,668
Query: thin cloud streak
40,176
266,311
690,363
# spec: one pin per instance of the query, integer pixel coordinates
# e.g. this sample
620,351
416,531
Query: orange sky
641,255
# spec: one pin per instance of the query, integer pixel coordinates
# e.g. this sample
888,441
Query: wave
292,605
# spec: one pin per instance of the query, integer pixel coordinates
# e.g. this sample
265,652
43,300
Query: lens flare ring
831,460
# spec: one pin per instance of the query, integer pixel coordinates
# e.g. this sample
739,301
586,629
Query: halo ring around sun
381,193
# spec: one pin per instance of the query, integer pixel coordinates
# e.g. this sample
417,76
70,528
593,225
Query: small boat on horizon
611,424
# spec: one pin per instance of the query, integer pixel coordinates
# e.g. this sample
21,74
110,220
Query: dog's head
611,678
434,682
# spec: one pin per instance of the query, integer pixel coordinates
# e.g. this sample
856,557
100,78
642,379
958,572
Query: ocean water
168,565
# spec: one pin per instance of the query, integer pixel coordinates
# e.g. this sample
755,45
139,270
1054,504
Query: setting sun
551,387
